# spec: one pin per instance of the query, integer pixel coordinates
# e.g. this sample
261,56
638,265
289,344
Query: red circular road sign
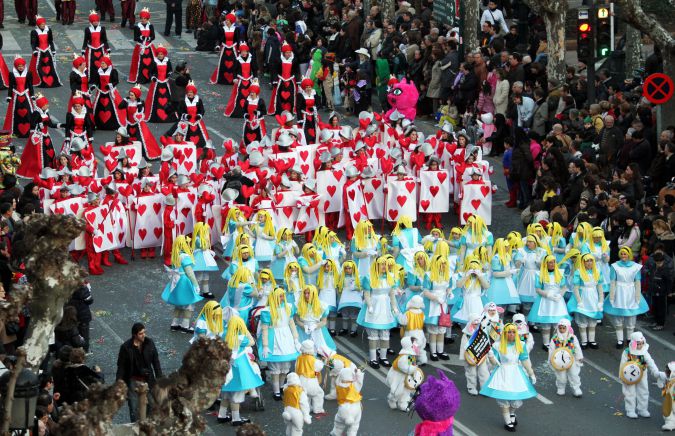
658,88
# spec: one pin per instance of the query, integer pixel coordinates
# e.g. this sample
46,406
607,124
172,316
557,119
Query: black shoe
544,347
124,24
514,421
242,421
188,30
426,347
215,406
510,427
277,396
619,345
188,330
449,340
332,332
176,328
342,332
374,364
353,334
167,34
434,357
385,363
444,356
207,295
593,345
228,418
584,345
390,352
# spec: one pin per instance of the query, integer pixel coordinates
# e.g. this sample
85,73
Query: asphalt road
126,294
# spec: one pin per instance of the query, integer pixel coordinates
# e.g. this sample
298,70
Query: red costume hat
145,13
78,61
18,60
307,83
243,47
107,61
41,101
40,20
78,99
392,80
231,17
191,87
136,90
161,49
93,17
286,47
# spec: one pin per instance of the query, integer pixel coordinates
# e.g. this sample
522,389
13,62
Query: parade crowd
321,230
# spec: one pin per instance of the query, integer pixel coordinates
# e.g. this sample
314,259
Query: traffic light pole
590,66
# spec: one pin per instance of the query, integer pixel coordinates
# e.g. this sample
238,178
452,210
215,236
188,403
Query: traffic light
584,35
603,33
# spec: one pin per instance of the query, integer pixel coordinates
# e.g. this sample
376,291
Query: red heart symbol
91,217
337,174
326,205
310,132
288,210
104,116
410,186
379,153
188,151
194,139
331,189
368,196
357,216
304,168
157,231
161,90
211,221
286,106
434,190
425,204
141,209
104,101
192,198
393,214
181,226
147,61
304,154
401,200
21,98
131,152
197,179
376,183
247,191
262,174
156,207
228,76
110,164
110,237
23,128
161,113
22,112
59,211
46,69
485,190
466,216
48,80
74,207
193,127
228,64
98,241
442,175
185,211
276,180
114,154
250,137
475,203
228,52
101,227
97,54
300,225
120,236
162,101
285,95
278,197
364,210
245,91
352,194
105,150
142,233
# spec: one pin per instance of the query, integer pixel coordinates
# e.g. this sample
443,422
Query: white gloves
265,352
298,346
600,306
308,419
370,309
556,297
533,379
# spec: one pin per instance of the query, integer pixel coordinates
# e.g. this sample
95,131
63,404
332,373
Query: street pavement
126,294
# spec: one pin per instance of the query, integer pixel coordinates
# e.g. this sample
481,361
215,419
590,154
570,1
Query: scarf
433,428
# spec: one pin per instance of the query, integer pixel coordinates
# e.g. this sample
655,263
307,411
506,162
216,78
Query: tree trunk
388,7
470,30
555,38
668,109
633,50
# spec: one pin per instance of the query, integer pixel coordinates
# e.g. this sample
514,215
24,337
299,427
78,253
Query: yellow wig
213,314
233,214
310,254
180,245
274,305
284,234
583,272
323,273
544,273
582,234
313,305
503,251
515,240
555,232
477,227
202,231
355,274
287,276
236,327
439,269
599,233
268,226
504,342
404,222
241,276
241,249
364,230
267,275
569,255
419,269
375,273
627,250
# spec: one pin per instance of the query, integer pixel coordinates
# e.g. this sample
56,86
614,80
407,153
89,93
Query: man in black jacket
137,362
572,191
174,8
81,300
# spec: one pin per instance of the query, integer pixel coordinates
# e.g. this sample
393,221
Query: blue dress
545,310
263,247
382,317
239,299
411,279
180,291
251,264
232,230
204,260
625,274
589,297
561,244
508,381
244,377
279,337
502,290
408,241
320,337
311,278
467,241
279,264
432,310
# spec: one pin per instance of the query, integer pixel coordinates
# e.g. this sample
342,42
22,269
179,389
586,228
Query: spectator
516,69
66,331
501,95
524,109
79,377
571,193
30,197
138,361
659,277
495,17
522,172
465,87
81,300
540,114
640,152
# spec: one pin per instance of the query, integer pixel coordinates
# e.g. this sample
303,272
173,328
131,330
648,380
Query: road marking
658,339
9,43
356,356
50,3
439,365
612,376
76,38
118,40
217,133
544,400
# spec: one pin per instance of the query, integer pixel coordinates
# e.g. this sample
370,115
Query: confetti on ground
102,313
618,414
100,340
172,352
145,317
148,298
605,379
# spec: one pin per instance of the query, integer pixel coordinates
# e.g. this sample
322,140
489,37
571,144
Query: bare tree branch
636,16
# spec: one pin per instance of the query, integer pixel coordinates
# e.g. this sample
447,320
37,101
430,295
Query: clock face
631,372
562,359
415,379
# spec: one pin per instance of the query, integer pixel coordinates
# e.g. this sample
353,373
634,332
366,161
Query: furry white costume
565,338
404,365
474,373
636,396
348,416
413,322
296,406
669,398
307,366
335,363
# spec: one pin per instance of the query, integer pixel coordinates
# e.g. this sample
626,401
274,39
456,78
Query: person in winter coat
501,95
272,54
29,197
522,172
66,332
79,377
372,36
641,151
81,300
499,135
466,85
541,114
434,91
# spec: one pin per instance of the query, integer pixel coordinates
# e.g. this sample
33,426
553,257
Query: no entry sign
658,88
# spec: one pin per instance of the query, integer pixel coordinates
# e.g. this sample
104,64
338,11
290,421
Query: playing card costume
95,44
635,362
512,379
137,129
224,72
244,72
158,106
39,150
43,63
308,116
285,87
19,96
143,54
565,357
182,291
107,115
625,300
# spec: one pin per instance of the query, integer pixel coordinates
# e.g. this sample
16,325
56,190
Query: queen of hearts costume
278,343
512,379
566,372
311,318
19,96
144,50
634,383
244,73
625,301
182,291
224,72
39,150
158,105
107,115
379,311
285,87
95,43
308,116
549,305
587,303
43,62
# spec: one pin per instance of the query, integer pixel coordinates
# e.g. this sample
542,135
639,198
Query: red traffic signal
584,27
